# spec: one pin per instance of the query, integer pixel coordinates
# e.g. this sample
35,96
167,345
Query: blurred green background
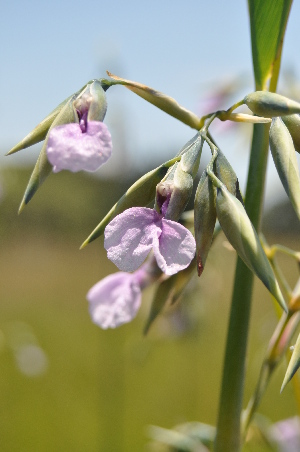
67,385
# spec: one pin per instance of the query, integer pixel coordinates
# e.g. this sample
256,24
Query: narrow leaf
268,19
293,366
40,131
42,167
160,100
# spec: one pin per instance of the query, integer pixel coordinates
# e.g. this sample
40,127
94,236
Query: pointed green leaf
42,167
160,100
141,193
268,19
244,239
284,156
293,366
40,131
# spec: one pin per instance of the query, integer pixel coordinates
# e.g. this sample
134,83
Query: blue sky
185,49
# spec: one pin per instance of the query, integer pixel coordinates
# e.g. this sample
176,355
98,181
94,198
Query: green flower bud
285,160
263,103
226,174
190,159
204,219
92,100
141,193
181,192
293,124
244,239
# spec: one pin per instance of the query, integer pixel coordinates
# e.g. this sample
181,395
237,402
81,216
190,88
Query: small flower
84,144
130,236
72,149
116,299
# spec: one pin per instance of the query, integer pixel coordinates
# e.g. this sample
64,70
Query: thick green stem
228,428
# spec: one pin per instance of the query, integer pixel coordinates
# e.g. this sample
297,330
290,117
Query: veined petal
71,149
114,300
175,248
128,237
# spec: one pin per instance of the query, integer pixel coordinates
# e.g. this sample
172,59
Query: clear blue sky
50,49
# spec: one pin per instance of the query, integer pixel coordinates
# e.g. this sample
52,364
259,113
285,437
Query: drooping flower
116,299
84,144
72,149
130,236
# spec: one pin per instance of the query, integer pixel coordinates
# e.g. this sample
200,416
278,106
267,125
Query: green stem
228,436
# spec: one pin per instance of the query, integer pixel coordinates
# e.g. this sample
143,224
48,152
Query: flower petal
71,149
175,248
128,237
114,300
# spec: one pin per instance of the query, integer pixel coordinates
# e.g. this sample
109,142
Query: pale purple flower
130,236
75,147
286,433
116,299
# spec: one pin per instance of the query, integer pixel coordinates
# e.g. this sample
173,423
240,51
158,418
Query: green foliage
268,19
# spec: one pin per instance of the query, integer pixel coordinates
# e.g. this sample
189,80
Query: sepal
160,100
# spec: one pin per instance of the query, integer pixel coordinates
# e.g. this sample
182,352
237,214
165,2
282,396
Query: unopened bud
293,124
285,160
204,219
266,104
226,174
91,103
182,190
244,239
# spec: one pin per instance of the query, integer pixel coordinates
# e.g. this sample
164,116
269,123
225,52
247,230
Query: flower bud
204,219
293,124
91,103
244,239
141,193
226,174
263,103
190,160
182,190
285,160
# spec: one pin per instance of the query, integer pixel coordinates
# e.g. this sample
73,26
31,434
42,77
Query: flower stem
228,436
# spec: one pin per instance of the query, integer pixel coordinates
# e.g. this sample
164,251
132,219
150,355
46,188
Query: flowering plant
146,234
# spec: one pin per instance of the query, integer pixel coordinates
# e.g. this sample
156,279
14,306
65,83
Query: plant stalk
228,438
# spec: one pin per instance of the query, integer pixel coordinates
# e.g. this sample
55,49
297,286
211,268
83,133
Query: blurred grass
102,388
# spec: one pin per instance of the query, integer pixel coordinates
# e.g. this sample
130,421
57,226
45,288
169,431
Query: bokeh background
64,383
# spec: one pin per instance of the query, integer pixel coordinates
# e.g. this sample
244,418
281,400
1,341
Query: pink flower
130,236
75,147
116,299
